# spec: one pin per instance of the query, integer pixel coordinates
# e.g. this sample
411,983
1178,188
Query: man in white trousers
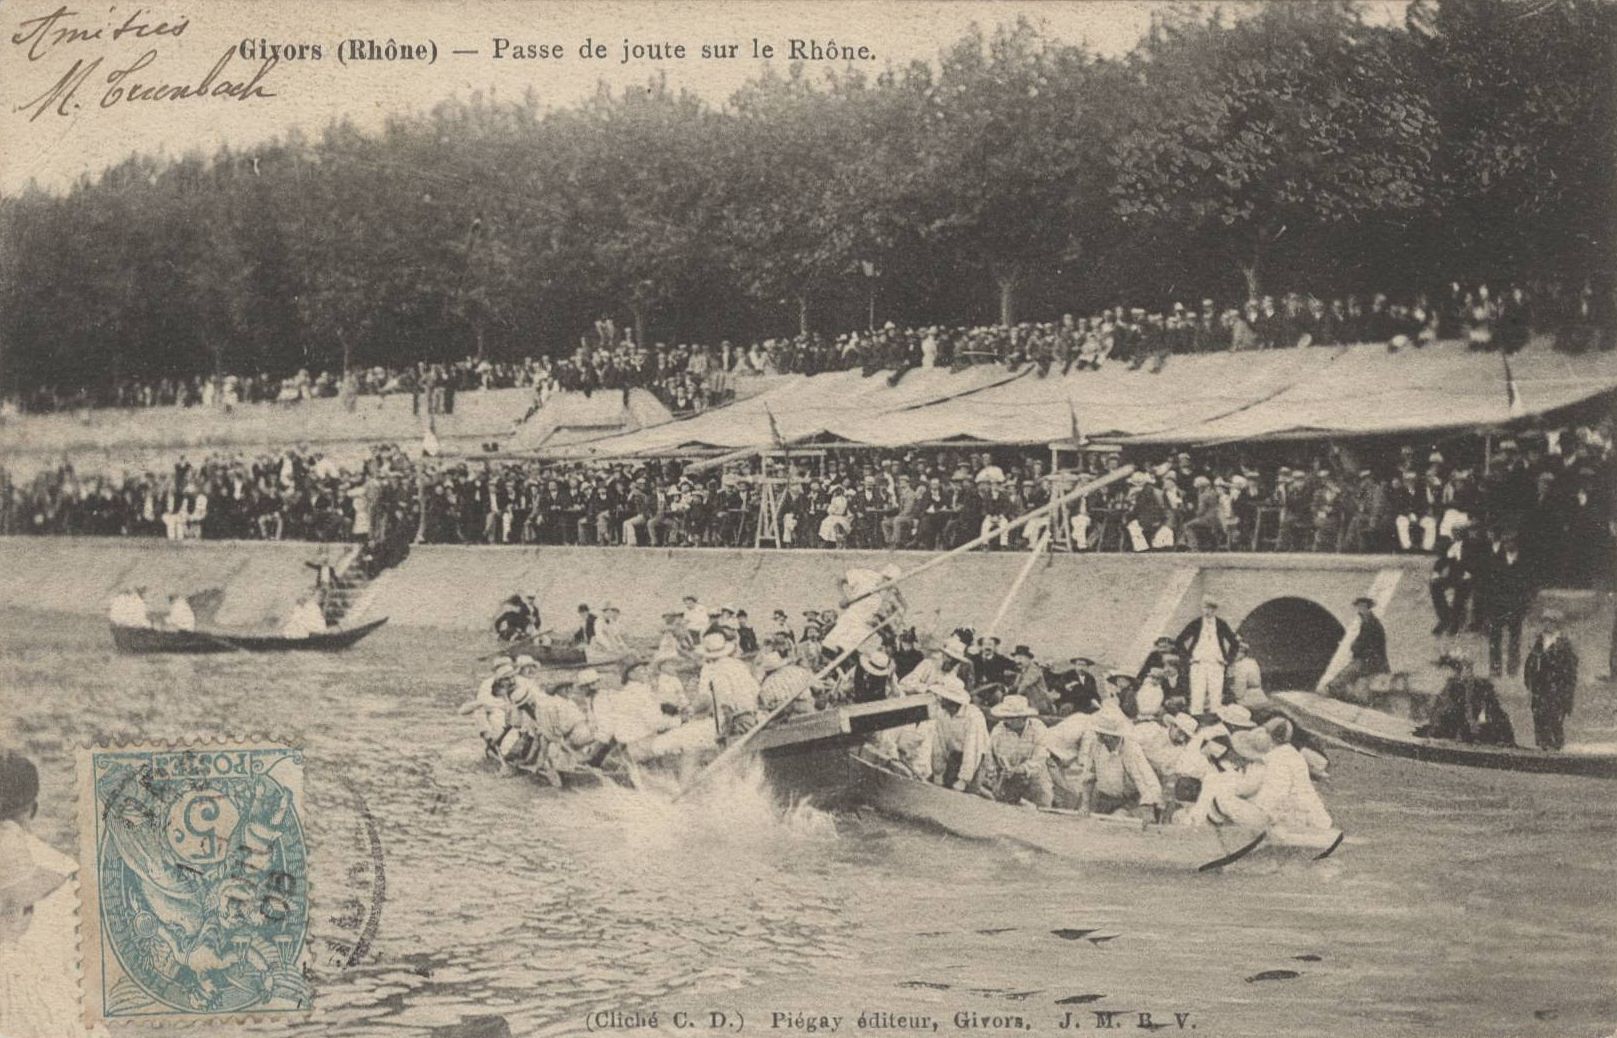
1209,644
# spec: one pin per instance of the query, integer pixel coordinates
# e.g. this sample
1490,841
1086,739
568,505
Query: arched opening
1293,640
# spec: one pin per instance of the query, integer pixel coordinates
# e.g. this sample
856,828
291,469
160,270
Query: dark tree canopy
1018,176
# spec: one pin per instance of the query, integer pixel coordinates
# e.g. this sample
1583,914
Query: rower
784,681
873,678
629,714
609,642
695,617
1111,773
307,619
960,747
1276,789
128,609
517,617
727,683
180,617
1152,733
492,705
1021,762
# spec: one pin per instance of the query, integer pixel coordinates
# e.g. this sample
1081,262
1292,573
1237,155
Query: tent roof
1257,395
568,418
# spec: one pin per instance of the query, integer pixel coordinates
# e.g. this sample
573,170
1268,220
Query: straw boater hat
1253,744
877,663
715,646
504,669
1184,722
1013,706
586,677
1234,715
1109,720
951,692
955,649
772,661
1149,703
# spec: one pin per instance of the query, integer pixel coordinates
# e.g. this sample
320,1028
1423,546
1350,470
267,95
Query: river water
1457,907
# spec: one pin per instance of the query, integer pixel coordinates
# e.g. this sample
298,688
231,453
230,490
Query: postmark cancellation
193,881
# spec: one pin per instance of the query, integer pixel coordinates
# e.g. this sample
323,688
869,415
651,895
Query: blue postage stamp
194,882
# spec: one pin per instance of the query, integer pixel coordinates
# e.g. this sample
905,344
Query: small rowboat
1383,735
1098,838
218,639
555,657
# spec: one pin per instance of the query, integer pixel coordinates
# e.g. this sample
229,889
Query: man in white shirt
960,746
726,682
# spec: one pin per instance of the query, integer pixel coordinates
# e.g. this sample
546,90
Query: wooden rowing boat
1097,838
1379,734
555,657
223,639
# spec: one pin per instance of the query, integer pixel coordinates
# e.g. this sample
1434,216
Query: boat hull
145,640
856,778
1378,734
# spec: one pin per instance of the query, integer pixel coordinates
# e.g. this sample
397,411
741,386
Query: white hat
891,571
1252,744
524,661
1234,715
1184,722
504,669
950,691
715,646
955,649
1109,720
772,661
1149,700
587,676
1014,706
876,663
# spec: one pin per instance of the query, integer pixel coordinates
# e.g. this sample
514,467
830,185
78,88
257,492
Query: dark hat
1022,650
1365,600
1163,642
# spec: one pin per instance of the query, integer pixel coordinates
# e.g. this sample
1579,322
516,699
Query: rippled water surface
1458,907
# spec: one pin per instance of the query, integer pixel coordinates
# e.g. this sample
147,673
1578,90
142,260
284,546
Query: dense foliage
1018,176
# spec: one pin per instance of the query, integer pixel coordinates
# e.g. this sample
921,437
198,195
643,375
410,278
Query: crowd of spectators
1550,489
689,378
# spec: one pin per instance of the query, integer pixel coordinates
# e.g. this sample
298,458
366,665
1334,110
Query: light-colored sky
52,138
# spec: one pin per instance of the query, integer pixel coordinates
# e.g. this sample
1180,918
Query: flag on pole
1513,395
774,428
1077,434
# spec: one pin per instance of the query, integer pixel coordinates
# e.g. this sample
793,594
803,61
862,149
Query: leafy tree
1298,118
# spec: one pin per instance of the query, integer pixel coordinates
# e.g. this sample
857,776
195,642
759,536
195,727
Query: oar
1233,856
1122,472
1016,585
735,748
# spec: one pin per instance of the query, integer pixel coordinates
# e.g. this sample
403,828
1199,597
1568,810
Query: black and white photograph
765,517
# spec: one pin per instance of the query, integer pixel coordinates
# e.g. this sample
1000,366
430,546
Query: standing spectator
1551,675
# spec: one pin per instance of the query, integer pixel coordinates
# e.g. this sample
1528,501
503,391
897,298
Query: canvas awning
1311,392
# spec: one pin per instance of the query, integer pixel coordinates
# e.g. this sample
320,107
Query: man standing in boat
865,603
1209,644
1551,674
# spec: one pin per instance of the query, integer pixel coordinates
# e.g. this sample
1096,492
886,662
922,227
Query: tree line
1017,176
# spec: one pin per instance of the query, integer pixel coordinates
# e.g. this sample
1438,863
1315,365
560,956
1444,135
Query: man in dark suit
1368,652
1504,593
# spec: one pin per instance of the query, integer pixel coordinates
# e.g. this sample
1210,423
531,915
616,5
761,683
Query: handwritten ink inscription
122,81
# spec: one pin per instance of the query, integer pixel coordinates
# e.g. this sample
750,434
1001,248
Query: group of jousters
857,713
860,711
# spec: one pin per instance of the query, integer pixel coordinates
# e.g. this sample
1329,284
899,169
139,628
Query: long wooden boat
1379,734
222,639
1068,834
554,657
